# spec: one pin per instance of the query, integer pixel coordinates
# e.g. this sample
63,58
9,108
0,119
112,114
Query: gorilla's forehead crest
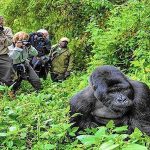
108,75
106,71
112,95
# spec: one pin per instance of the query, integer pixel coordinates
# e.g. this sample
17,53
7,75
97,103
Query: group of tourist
30,57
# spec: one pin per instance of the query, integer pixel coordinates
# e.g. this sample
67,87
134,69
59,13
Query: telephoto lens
1,29
26,43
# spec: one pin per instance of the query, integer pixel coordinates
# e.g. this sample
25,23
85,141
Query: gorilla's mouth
121,108
115,109
124,104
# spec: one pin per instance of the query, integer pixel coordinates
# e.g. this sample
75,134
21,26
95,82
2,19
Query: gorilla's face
115,97
112,88
119,101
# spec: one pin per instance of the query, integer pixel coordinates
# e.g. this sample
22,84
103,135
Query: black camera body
41,41
26,43
22,71
1,29
40,37
42,67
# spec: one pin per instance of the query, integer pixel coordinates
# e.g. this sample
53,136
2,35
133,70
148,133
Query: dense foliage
101,32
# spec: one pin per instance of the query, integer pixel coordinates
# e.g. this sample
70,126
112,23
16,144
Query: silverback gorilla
112,96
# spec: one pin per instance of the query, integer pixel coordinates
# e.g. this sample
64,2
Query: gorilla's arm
83,103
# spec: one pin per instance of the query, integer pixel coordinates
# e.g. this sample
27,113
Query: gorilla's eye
114,89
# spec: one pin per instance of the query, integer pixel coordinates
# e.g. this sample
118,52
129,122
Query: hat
64,39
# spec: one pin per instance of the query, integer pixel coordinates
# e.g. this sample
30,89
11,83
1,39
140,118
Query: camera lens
1,28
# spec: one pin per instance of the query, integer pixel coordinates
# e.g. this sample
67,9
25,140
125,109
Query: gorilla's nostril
121,99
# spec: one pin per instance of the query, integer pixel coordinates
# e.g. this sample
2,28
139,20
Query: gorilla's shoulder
139,85
141,92
83,101
85,94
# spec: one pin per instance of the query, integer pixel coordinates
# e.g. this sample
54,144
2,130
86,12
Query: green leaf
10,144
13,128
101,132
120,129
45,135
136,134
111,137
135,147
73,131
87,139
49,146
3,134
110,124
108,146
2,88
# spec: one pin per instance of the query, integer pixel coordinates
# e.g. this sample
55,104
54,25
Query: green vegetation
101,32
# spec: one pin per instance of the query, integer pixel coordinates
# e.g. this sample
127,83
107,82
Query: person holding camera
40,40
20,51
41,62
5,62
61,60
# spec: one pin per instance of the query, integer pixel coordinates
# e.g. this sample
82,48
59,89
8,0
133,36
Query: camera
26,43
40,37
21,71
1,28
39,34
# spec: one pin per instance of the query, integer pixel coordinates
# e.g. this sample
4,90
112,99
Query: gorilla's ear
91,83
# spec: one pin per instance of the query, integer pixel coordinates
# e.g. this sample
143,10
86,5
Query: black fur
112,96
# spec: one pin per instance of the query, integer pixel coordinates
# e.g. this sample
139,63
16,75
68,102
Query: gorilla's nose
121,99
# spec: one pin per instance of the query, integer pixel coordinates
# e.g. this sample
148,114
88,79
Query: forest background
113,32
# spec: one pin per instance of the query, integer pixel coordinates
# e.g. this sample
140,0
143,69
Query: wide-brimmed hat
64,39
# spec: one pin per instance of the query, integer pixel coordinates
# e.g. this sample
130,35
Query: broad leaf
135,147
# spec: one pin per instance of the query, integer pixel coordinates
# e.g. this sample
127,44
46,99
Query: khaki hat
64,39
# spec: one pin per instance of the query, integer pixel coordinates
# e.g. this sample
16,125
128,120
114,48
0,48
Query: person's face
63,44
1,21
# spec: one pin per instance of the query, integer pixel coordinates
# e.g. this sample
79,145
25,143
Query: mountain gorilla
112,96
